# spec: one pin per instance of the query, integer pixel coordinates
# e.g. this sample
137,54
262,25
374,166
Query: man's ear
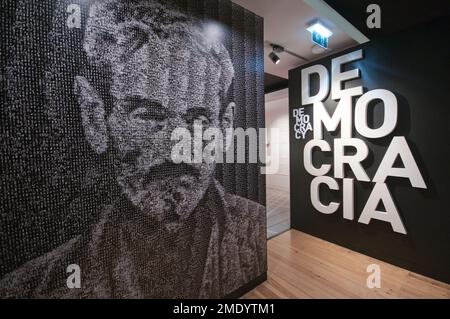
228,116
227,123
92,115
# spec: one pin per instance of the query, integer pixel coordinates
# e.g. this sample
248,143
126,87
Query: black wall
414,64
395,15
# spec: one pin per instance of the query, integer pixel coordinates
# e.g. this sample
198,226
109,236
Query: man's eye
201,119
133,38
145,114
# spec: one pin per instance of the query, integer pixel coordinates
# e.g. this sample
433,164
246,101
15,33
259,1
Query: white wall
277,116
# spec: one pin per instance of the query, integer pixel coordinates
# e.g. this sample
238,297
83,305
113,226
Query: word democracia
343,117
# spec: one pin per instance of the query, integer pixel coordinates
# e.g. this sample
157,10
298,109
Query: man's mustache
169,169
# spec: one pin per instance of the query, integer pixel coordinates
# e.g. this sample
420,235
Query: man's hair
164,19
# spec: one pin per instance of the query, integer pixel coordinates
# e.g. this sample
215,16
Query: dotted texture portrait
91,92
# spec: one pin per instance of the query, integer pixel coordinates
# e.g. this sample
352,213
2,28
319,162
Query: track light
279,49
274,57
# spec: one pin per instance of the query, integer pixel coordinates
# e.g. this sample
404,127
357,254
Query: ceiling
285,23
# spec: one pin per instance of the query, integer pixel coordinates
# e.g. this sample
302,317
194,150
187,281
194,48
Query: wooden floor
303,266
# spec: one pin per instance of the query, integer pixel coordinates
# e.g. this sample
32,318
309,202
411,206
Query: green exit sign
319,39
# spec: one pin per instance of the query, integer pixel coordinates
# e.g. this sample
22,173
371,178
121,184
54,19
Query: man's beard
167,193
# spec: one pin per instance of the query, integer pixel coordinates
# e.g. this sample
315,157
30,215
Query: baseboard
247,287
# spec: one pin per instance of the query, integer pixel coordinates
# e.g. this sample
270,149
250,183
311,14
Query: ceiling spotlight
279,49
274,57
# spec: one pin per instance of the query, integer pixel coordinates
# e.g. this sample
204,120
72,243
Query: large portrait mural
94,205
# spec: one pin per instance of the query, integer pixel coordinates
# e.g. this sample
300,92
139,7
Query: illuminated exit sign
319,39
320,34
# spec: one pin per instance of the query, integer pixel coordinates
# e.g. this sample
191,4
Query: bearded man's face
159,82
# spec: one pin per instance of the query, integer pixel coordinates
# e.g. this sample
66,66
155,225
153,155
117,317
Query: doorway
277,184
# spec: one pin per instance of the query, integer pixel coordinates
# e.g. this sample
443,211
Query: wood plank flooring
303,266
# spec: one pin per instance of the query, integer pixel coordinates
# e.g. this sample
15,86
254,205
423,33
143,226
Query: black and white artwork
94,203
